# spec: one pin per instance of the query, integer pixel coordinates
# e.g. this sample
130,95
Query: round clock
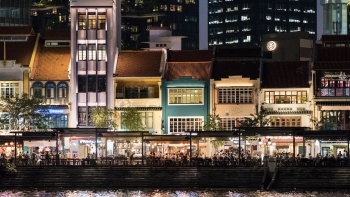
271,45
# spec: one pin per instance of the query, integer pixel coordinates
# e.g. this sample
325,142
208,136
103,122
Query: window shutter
60,90
52,93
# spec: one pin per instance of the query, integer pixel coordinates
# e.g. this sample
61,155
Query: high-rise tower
244,22
184,17
335,17
94,45
15,12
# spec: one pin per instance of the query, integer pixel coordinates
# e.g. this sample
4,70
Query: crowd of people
224,157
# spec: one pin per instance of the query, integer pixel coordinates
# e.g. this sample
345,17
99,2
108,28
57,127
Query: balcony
144,102
54,101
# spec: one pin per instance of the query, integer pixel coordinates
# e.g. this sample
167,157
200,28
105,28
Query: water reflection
163,193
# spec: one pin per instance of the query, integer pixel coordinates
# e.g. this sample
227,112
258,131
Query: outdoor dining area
287,146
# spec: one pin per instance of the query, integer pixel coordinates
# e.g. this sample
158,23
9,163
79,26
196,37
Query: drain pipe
273,179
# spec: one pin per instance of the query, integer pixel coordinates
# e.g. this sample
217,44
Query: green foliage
217,143
131,120
103,118
323,124
256,120
11,168
24,112
213,123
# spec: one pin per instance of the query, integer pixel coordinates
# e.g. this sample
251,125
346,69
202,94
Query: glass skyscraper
244,22
15,12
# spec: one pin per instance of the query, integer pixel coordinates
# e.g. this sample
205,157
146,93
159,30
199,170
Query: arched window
37,89
62,92
50,90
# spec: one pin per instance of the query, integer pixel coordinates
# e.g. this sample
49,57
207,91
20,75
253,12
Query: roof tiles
20,51
246,69
139,64
20,30
333,54
190,56
331,66
56,34
285,75
197,70
51,64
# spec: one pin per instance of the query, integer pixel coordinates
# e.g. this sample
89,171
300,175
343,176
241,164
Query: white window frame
228,123
233,95
9,89
147,118
176,96
182,121
286,121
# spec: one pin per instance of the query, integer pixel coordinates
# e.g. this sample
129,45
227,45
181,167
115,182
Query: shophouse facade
186,91
17,55
17,52
235,84
138,84
331,89
286,95
49,75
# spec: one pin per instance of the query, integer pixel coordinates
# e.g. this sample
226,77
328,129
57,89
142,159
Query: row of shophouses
176,90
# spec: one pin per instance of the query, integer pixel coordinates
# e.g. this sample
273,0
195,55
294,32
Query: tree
24,112
104,118
256,120
213,123
131,120
323,124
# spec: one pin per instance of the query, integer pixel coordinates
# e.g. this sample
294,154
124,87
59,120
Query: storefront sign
336,76
285,108
89,141
283,138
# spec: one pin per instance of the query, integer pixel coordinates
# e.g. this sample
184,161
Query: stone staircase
134,177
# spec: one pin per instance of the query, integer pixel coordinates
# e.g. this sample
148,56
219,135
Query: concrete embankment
249,178
312,178
135,177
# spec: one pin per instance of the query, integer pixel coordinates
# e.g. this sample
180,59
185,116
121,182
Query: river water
164,193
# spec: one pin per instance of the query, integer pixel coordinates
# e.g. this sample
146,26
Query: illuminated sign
56,111
342,76
88,142
271,45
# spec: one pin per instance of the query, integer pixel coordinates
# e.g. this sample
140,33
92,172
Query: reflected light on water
163,193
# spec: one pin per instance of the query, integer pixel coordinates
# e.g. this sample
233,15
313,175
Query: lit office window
101,52
92,52
91,20
82,52
82,21
101,20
